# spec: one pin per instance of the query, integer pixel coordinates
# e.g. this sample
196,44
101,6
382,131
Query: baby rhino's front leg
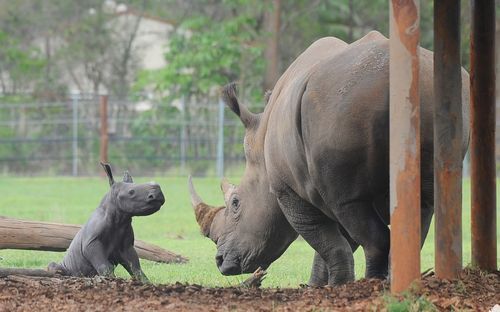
130,261
95,254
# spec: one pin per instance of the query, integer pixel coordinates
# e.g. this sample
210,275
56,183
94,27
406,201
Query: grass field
70,200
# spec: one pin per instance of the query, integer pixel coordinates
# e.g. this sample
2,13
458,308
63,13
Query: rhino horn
127,178
204,213
229,97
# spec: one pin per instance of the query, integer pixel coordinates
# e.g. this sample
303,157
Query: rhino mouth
151,208
228,267
235,266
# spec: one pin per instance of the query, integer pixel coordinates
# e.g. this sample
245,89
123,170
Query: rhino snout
227,267
155,195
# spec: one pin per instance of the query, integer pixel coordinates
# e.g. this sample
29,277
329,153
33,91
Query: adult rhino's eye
131,192
235,203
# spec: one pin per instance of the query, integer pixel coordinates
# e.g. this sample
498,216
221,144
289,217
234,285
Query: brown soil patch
476,291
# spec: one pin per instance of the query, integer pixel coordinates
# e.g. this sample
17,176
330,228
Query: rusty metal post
103,111
404,143
447,139
482,147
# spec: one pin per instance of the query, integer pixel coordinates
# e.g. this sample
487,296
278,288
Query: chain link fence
63,136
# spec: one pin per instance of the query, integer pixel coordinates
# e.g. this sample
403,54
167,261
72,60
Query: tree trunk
350,35
272,47
34,235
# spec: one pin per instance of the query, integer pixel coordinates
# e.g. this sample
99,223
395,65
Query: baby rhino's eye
131,192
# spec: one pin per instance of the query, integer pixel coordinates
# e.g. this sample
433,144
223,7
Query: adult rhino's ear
127,178
227,188
229,96
107,169
267,96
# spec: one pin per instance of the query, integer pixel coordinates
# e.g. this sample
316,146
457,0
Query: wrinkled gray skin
107,239
318,163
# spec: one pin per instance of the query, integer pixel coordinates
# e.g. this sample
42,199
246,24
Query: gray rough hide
107,239
317,163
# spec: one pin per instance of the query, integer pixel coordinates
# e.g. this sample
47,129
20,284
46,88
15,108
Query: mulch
474,291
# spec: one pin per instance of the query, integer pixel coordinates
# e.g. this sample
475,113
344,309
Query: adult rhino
317,164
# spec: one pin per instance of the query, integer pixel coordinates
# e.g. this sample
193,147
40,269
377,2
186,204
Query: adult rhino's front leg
323,234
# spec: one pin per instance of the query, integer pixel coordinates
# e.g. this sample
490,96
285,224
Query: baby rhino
107,239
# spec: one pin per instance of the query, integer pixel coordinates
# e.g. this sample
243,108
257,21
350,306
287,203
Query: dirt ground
476,291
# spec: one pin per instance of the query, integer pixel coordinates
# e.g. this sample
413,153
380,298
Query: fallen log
47,236
26,272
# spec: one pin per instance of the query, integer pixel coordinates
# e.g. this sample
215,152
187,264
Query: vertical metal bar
404,143
103,107
482,149
448,143
183,136
74,102
220,141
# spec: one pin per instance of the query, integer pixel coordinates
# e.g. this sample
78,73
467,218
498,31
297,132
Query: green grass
71,200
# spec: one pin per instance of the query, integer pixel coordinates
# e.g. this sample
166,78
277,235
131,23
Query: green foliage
408,303
204,54
22,65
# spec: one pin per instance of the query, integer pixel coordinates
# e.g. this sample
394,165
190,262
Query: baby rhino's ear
107,169
127,178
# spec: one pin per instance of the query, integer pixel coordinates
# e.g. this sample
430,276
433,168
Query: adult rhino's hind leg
426,207
323,234
363,224
319,272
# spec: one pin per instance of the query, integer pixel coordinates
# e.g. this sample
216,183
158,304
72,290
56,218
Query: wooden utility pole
103,112
273,23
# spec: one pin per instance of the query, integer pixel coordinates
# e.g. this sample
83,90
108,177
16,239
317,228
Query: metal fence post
220,141
404,143
482,145
448,142
74,102
183,135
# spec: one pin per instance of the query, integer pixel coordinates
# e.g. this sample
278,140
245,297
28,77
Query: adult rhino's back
336,118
